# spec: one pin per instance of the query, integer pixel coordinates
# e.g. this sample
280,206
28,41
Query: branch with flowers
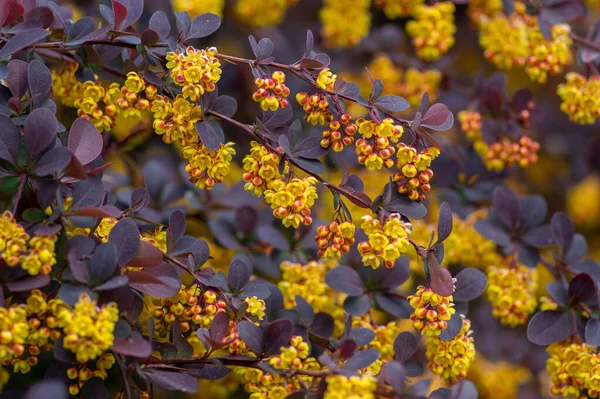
217,256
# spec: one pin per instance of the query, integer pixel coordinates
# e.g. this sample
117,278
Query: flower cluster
356,386
498,379
465,246
34,254
506,152
316,108
432,30
94,103
481,11
431,311
574,367
516,41
176,120
340,133
394,9
197,8
14,330
256,307
335,239
344,23
388,240
414,175
89,329
261,169
82,373
271,92
206,167
384,337
452,359
189,307
292,201
583,202
132,103
580,98
374,150
196,71
260,384
470,123
511,291
258,13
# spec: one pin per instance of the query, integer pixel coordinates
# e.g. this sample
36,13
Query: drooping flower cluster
344,23
81,373
465,246
291,201
480,11
506,152
256,307
580,98
432,311
189,307
197,8
206,167
574,367
340,133
415,174
517,41
14,330
511,291
176,120
261,13
335,239
356,386
583,202
34,254
132,103
260,384
374,150
261,169
394,9
315,106
89,329
452,359
271,92
196,71
388,240
432,30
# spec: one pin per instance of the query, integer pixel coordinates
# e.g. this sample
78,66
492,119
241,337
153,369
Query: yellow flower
344,23
256,307
432,30
511,291
432,311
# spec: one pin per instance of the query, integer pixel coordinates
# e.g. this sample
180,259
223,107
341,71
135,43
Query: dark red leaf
44,15
126,237
120,12
405,345
171,380
441,279
10,11
147,256
582,288
9,139
135,347
17,78
252,335
149,37
39,131
85,141
28,283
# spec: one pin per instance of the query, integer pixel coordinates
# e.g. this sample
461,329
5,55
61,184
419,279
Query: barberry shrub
334,235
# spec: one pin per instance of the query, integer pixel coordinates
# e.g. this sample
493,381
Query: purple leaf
219,326
204,25
28,283
149,37
88,192
9,139
85,141
582,288
441,279
47,388
361,359
42,15
135,8
392,277
345,279
172,381
125,235
454,326
161,282
238,274
140,198
210,134
357,305
547,327
398,307
272,236
225,105
147,256
53,161
21,40
506,207
93,35
492,232
10,11
405,345
563,231
278,334
177,223
470,284
438,117
159,22
252,335
134,347
444,222
39,131
39,80
539,237
104,262
310,63
592,332
323,325
309,148
113,283
77,266
347,347
362,336
17,77
558,293
200,252
392,103
395,373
